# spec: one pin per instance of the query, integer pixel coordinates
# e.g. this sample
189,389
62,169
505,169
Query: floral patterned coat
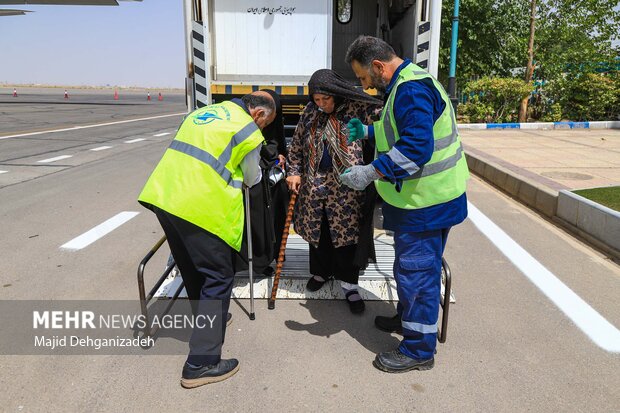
323,191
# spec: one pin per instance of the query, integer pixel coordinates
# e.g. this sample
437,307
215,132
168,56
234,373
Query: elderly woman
329,214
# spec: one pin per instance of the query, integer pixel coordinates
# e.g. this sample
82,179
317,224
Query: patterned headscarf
333,132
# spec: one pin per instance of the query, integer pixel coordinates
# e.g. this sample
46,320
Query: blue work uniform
420,235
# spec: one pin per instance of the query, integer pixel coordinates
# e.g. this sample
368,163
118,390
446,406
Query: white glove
359,176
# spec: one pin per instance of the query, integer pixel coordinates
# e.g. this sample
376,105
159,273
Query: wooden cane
287,224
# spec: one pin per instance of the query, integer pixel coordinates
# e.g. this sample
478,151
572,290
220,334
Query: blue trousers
417,270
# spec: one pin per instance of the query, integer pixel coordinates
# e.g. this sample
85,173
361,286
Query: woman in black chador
269,200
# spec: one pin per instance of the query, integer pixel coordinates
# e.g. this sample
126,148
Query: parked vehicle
237,46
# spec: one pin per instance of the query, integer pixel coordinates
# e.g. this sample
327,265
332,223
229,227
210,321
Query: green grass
609,196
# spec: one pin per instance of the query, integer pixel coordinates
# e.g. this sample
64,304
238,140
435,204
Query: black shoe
269,271
198,376
315,285
228,319
397,362
356,306
389,324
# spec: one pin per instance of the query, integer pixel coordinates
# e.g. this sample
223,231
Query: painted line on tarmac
162,134
101,148
602,332
54,159
3,172
96,125
135,140
99,231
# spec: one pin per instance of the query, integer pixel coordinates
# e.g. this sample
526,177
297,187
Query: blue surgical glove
357,130
359,176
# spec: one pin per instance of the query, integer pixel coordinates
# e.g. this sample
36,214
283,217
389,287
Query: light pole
453,46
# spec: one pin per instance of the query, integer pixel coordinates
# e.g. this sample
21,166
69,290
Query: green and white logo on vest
199,177
209,114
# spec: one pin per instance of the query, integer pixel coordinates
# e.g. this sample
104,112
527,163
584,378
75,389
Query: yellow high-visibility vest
199,178
444,177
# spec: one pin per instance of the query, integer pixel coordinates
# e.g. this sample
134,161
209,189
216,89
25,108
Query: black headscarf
274,132
328,82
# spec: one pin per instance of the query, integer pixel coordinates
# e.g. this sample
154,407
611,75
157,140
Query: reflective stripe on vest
435,168
218,164
238,137
199,178
443,177
390,136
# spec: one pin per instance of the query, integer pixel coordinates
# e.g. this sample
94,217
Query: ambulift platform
376,282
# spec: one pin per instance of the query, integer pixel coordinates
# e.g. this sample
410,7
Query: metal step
376,282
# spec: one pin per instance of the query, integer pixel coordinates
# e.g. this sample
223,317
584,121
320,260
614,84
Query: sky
139,44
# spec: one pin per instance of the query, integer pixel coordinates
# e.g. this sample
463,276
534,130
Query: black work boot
228,319
198,376
397,362
389,324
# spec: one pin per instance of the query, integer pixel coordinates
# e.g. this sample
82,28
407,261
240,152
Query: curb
598,221
596,224
531,194
543,125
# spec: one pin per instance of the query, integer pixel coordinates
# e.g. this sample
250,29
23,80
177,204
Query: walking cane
248,226
289,217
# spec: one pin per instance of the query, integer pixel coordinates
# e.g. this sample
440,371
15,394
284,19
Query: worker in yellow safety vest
421,173
196,192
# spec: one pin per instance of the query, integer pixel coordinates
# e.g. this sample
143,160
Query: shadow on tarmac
333,316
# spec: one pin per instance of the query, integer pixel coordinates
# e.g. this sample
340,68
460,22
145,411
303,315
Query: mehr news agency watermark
58,320
106,327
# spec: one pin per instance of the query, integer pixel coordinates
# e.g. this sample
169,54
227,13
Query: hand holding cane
289,217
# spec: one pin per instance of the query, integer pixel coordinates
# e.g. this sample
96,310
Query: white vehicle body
237,46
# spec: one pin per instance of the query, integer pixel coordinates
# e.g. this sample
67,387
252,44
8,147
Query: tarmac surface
557,159
541,168
511,345
29,108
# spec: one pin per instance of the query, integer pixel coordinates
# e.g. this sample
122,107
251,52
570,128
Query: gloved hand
359,176
357,130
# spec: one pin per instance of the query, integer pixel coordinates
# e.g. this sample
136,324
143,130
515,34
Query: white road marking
134,140
3,172
162,134
57,158
90,126
602,332
101,148
99,231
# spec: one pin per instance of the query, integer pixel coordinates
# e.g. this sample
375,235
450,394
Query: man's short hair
265,102
365,49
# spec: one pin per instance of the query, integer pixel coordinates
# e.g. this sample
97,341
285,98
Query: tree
491,37
572,36
575,36
530,61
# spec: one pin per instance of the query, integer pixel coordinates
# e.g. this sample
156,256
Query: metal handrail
145,299
445,302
